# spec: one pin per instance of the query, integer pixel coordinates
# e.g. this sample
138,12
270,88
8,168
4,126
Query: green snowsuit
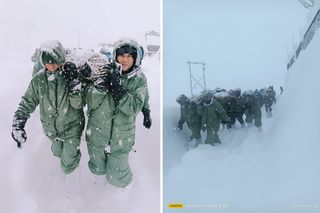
212,115
252,110
61,113
111,124
188,114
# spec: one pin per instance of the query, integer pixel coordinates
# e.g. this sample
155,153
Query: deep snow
276,170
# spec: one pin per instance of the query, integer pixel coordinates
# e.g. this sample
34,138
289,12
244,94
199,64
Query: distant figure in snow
212,114
281,90
189,115
252,109
269,98
55,89
238,110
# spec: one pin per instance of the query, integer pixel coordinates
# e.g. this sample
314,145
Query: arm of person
78,99
181,120
93,98
133,101
221,113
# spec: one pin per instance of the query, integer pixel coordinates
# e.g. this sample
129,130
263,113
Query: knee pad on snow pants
69,153
118,170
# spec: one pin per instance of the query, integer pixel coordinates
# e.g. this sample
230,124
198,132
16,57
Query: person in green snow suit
269,98
56,90
238,109
212,114
113,103
189,115
229,104
252,109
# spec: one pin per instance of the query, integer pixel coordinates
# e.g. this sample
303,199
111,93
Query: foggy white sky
25,24
95,21
244,43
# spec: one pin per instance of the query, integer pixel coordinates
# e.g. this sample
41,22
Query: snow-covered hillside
276,170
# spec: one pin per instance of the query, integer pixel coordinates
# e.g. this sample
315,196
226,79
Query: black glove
71,75
113,80
18,133
74,86
146,118
113,67
101,84
114,86
85,71
70,71
118,93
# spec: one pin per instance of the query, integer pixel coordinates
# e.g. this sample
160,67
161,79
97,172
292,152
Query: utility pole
194,82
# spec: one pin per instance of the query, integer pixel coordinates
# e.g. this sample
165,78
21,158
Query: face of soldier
248,98
126,60
207,100
52,67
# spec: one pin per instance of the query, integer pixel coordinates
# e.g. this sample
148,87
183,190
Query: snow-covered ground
275,170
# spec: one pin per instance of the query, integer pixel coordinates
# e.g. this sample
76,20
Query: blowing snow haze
75,22
275,170
244,43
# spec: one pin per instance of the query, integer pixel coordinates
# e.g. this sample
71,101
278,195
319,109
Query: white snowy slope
276,170
31,179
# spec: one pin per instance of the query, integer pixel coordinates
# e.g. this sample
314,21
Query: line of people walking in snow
212,108
114,93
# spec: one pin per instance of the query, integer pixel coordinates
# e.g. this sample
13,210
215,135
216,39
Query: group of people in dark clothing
212,108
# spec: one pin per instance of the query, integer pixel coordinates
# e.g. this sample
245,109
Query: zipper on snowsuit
111,129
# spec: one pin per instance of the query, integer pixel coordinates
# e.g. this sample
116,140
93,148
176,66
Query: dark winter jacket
188,114
252,110
212,114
